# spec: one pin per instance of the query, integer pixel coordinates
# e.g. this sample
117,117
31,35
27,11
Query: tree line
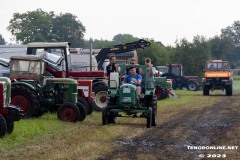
42,26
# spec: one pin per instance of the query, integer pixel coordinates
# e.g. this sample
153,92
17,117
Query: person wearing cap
111,67
134,78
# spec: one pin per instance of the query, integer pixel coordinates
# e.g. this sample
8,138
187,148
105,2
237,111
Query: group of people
133,73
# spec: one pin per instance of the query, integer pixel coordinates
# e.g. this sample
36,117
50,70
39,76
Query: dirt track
214,125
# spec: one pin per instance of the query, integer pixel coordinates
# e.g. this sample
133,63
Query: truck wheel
205,90
192,86
3,126
154,113
10,126
228,90
83,111
26,99
88,107
149,117
100,98
68,112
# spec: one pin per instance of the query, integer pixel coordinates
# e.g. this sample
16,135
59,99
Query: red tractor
59,65
8,113
175,72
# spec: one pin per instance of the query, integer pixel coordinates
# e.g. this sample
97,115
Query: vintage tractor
217,76
122,98
36,94
175,72
57,57
8,113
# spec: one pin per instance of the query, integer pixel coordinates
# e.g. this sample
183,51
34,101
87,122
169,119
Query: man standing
111,67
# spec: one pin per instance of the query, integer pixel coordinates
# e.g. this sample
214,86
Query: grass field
48,138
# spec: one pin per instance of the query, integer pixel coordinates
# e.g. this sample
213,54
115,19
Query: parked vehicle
175,72
36,94
217,76
8,112
57,57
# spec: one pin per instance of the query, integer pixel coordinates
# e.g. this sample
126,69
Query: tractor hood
212,74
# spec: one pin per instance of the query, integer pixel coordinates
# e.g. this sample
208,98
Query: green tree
123,38
192,54
232,32
221,47
31,26
157,52
66,27
2,40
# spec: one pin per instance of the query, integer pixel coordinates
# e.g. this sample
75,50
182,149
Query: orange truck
217,76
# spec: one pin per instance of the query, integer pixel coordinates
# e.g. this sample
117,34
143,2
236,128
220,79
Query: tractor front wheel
192,86
229,90
83,111
100,98
88,107
205,90
68,112
3,126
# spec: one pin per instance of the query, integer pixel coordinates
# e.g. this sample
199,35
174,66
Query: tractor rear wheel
105,115
88,107
68,112
83,111
154,113
3,126
149,117
26,99
100,98
10,126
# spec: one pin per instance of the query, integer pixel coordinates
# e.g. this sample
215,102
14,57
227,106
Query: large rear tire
68,112
26,99
3,126
149,117
10,126
88,107
154,113
105,115
100,98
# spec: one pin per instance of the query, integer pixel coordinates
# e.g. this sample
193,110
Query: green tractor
36,94
8,113
123,98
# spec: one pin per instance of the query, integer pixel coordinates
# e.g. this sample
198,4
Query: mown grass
48,138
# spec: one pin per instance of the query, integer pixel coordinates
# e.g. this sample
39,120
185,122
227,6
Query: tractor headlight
142,95
112,95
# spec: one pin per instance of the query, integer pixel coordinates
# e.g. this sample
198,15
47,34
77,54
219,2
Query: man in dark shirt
132,63
111,67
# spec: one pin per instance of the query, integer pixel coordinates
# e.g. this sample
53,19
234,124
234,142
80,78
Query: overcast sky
162,20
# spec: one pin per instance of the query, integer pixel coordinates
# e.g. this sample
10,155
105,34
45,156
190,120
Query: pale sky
162,20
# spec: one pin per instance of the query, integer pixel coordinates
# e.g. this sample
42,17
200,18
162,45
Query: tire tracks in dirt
214,125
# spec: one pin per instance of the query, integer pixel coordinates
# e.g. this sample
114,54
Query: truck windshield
217,66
